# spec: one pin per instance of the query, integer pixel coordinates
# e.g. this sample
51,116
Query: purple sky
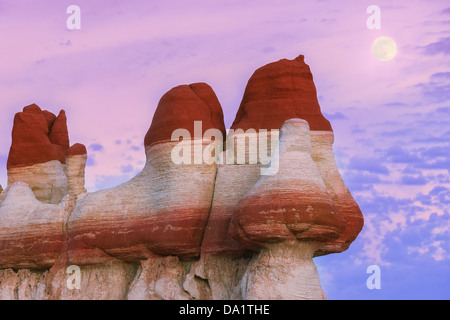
391,119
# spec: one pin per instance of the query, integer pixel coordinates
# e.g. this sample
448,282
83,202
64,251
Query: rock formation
277,92
38,153
286,218
287,86
208,217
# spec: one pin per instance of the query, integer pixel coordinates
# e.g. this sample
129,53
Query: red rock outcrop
77,149
277,92
38,152
59,136
30,138
38,136
180,107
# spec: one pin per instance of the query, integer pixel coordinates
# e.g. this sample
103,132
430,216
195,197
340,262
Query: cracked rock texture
208,217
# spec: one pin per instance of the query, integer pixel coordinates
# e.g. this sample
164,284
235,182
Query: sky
391,119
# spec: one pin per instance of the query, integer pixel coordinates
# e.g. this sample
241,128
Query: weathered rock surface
189,229
159,278
232,182
48,180
108,281
293,204
322,154
59,136
287,269
31,233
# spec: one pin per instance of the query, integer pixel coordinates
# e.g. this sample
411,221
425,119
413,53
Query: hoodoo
189,230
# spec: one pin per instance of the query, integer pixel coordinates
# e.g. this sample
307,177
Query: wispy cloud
335,116
446,11
96,147
440,46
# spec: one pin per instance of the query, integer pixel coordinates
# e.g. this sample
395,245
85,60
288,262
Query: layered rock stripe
217,222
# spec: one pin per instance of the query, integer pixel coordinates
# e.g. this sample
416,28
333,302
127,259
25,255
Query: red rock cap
277,92
38,137
180,107
77,149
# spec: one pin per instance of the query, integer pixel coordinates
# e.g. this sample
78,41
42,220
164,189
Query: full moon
384,48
